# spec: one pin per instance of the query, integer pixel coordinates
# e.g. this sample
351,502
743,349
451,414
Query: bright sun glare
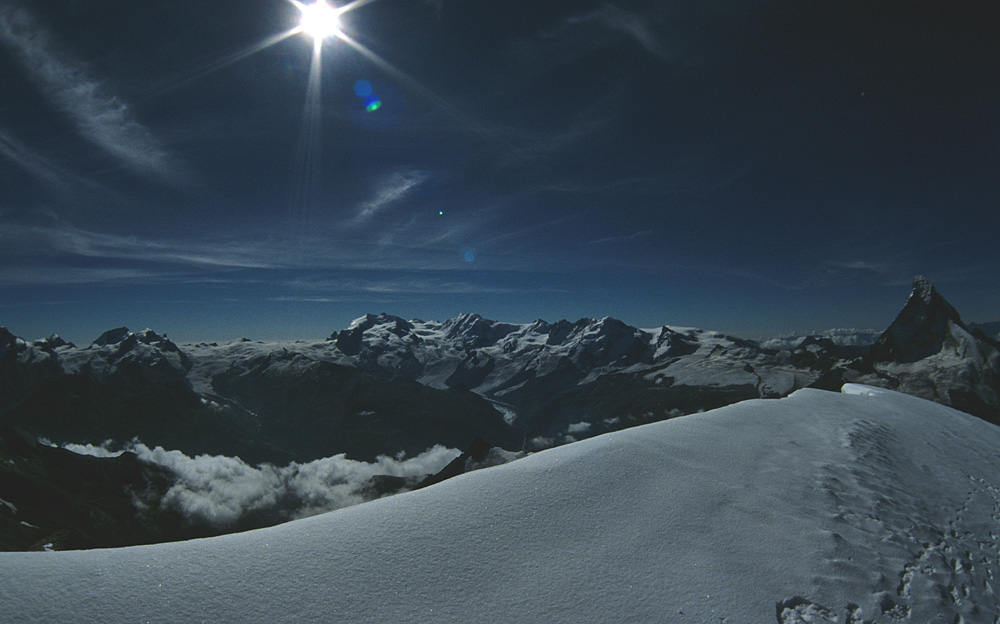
319,20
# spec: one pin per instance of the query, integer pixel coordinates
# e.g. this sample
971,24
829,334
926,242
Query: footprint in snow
798,610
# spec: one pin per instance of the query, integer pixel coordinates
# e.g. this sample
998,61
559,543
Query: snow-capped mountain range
539,380
389,390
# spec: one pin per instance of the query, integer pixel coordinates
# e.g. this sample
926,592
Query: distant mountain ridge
538,379
386,386
842,337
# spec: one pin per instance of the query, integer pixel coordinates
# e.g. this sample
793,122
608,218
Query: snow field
820,507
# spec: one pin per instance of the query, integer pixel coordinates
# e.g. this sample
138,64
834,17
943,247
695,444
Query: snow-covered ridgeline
493,358
487,355
821,507
927,351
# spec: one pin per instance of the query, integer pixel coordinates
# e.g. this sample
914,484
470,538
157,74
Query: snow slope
820,507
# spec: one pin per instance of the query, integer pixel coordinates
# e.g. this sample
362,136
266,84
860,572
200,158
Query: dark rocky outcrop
920,330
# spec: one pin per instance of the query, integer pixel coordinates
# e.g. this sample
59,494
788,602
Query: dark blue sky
754,167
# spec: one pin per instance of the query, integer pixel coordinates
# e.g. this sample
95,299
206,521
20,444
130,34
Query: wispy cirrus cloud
389,190
39,167
375,285
529,146
55,237
99,115
577,35
631,24
46,248
624,238
54,276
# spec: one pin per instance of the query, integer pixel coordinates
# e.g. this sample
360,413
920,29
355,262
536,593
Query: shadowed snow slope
821,507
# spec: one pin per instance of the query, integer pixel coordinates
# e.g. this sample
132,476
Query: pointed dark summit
921,328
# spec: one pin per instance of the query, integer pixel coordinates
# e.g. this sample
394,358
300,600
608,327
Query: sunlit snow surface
821,507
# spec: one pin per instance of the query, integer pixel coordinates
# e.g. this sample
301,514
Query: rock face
991,331
314,409
53,498
925,326
929,352
25,367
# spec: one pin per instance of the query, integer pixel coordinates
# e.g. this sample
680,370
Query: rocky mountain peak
476,331
54,341
113,336
923,289
921,329
6,338
466,324
368,321
350,340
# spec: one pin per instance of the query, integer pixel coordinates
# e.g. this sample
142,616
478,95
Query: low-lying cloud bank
223,491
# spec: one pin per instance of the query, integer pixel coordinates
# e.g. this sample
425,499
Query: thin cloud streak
391,190
54,276
534,146
60,238
99,116
42,169
49,252
623,238
375,286
38,167
576,36
631,24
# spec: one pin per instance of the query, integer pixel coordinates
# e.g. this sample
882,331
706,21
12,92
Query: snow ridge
495,358
862,506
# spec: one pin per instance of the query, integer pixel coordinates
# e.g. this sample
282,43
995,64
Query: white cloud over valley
222,490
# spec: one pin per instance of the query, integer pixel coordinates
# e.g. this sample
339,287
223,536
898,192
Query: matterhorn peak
921,328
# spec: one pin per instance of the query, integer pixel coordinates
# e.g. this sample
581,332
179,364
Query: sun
319,19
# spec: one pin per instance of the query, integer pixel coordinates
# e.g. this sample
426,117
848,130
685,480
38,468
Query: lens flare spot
469,256
373,104
363,89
